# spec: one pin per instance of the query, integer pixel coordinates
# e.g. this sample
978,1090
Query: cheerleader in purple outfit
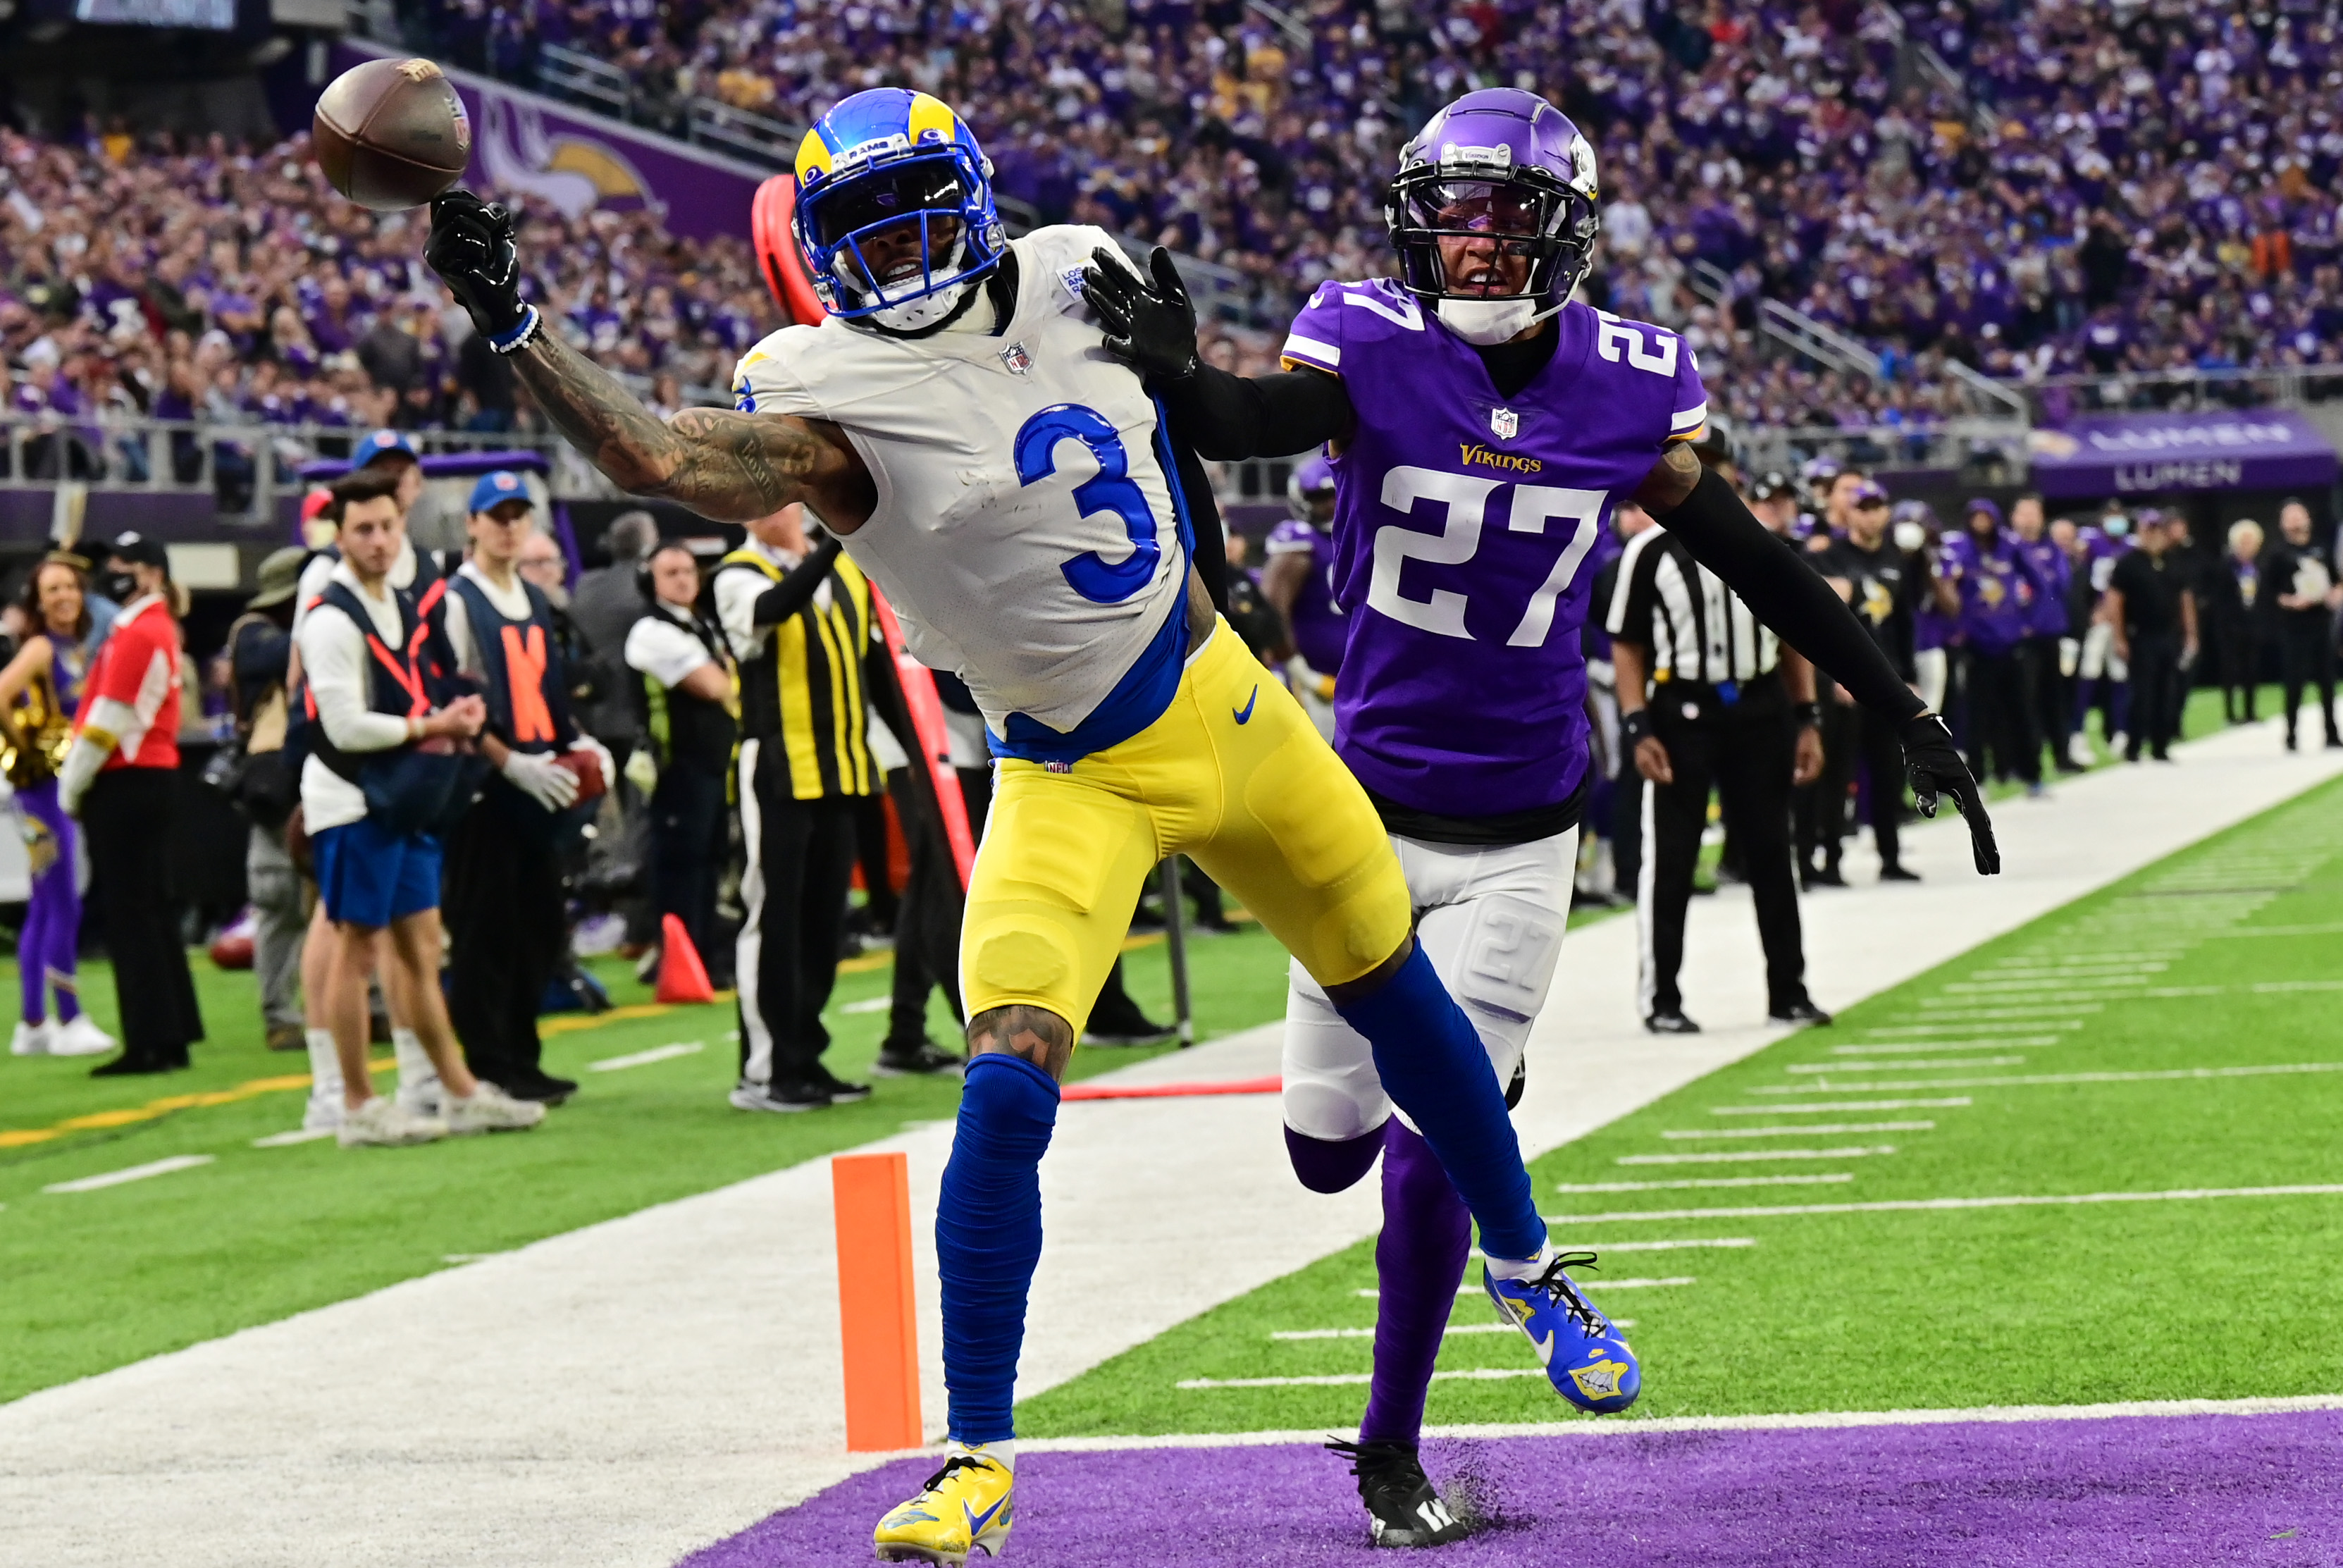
39,690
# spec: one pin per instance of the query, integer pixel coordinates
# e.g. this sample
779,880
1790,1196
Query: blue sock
989,1237
1435,1067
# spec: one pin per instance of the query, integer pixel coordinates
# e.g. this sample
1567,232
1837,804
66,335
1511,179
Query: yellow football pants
1232,774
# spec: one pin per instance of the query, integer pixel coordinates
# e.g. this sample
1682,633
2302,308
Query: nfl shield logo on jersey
1017,359
1504,423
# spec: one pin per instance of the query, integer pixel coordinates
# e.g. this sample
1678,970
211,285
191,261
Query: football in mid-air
392,134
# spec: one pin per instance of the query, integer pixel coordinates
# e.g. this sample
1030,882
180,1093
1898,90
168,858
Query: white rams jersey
1025,527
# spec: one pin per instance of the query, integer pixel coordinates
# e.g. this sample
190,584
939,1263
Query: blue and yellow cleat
1585,1358
963,1508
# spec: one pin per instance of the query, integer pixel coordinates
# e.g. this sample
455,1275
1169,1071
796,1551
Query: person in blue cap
1994,585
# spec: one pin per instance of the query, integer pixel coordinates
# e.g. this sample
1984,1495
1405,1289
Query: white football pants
1491,919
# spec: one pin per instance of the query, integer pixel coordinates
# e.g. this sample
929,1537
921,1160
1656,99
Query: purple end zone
2192,1490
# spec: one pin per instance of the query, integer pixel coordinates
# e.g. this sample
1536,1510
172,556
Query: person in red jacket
120,781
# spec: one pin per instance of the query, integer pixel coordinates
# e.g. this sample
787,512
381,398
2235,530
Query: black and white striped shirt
1695,627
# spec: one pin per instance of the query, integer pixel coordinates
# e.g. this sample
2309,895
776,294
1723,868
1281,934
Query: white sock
1003,1454
324,1065
413,1066
1521,1269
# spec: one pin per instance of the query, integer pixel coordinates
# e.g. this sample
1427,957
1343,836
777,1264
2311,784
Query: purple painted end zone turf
2177,1489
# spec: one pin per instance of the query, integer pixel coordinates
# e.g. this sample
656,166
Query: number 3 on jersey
1467,500
1111,489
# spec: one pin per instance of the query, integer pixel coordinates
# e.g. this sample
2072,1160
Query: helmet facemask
1493,247
901,243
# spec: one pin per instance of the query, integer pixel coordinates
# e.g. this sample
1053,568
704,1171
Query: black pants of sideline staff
2306,650
501,900
2157,692
801,860
1745,752
2001,714
689,828
126,817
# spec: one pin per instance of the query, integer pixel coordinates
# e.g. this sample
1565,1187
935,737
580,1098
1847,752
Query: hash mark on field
869,1004
1947,1062
1854,1151
1290,1335
2038,1080
1899,1205
1948,1103
1802,1131
1951,1010
645,1058
2327,929
298,1135
1909,1046
1710,1181
132,1173
1974,1029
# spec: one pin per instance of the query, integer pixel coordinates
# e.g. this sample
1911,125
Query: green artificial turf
1946,1308
97,1279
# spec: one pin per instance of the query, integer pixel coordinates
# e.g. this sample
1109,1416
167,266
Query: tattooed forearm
726,465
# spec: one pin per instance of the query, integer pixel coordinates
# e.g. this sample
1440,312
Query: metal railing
573,74
1296,31
2054,399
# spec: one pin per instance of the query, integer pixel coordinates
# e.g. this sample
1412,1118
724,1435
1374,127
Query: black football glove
471,248
1936,770
1151,329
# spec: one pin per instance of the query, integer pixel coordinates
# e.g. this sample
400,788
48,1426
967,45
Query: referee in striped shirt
798,621
1709,697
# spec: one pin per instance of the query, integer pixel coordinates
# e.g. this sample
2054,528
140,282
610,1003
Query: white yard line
132,1173
2038,1079
298,1135
1800,1131
645,1058
1639,1426
1344,1380
1852,1151
1949,1103
1923,1205
2060,1022
1297,1334
1710,1181
665,1398
1947,1063
1908,1047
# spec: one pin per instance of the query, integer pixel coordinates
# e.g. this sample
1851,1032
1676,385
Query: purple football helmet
1499,162
1310,490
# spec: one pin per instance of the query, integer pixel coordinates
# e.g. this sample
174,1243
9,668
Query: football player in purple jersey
1482,429
1299,581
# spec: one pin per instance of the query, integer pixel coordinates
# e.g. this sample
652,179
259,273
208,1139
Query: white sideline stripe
1369,1333
1801,1131
1344,1380
298,1135
1711,1182
1909,1046
1918,1205
645,1058
1950,1102
2033,1079
132,1173
1944,1063
1853,1151
1971,1029
1639,1426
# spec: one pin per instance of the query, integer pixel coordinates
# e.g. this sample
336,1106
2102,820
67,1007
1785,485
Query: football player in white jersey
958,420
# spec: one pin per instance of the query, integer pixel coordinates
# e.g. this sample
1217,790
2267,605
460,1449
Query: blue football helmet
894,210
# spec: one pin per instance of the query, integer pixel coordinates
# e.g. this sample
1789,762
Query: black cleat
1799,1012
1897,874
840,1092
1403,1508
1670,1023
916,1058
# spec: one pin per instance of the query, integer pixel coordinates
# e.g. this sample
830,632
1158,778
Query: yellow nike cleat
963,1508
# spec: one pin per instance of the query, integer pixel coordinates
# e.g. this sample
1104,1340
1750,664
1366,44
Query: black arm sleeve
795,590
1227,418
1788,595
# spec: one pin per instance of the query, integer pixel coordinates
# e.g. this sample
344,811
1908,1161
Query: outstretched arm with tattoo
727,465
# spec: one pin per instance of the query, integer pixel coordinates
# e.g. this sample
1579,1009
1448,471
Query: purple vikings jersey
2046,615
1998,587
1318,624
1463,524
